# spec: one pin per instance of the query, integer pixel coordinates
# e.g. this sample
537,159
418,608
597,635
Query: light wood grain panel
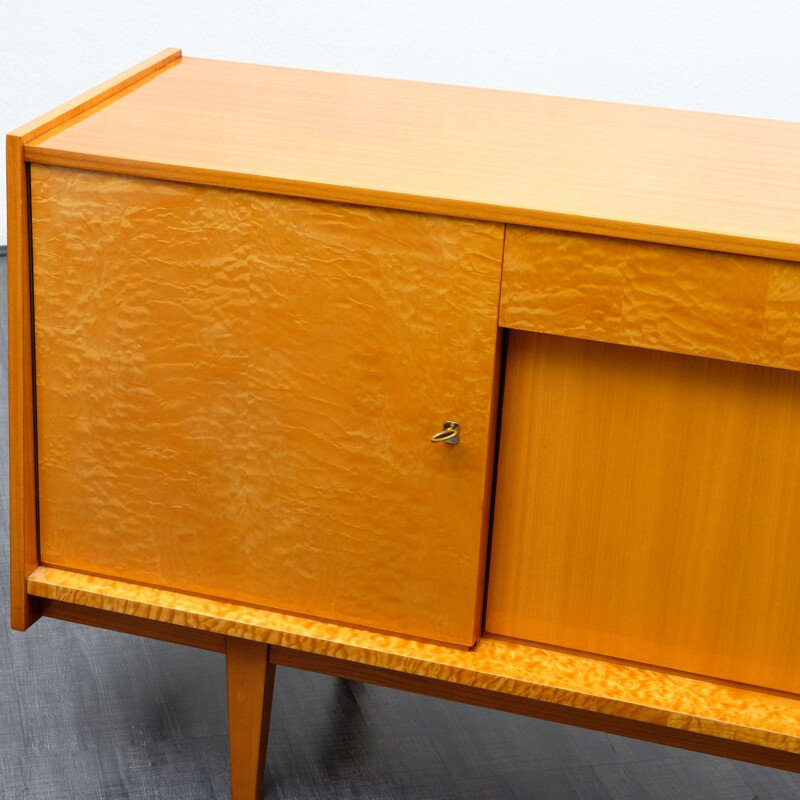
704,180
683,703
233,386
647,508
683,300
22,455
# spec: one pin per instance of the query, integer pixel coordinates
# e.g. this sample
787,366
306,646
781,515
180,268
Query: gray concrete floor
95,715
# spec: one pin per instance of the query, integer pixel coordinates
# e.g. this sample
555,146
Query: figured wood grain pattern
678,177
22,456
647,508
250,680
236,394
678,299
624,691
526,706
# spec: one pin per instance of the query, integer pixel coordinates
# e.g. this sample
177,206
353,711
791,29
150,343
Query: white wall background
728,56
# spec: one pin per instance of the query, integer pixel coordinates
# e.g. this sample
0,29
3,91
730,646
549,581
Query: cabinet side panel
237,393
648,507
22,454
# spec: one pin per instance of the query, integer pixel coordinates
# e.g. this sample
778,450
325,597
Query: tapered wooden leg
250,681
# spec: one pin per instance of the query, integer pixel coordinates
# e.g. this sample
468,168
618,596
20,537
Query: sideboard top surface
677,177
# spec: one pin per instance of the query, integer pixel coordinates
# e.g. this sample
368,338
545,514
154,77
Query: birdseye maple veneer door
236,394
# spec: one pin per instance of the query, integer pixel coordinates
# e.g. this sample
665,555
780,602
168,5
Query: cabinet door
648,508
236,394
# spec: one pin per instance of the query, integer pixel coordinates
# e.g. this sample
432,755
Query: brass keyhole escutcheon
448,434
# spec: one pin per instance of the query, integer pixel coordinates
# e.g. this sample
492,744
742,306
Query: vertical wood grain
648,507
22,456
234,385
251,679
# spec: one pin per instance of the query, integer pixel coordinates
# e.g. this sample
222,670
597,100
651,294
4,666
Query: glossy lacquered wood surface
624,691
686,178
236,395
22,456
647,508
717,305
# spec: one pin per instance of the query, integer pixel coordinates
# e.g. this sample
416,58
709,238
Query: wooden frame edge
771,726
41,153
529,707
21,408
25,608
122,623
379,676
103,91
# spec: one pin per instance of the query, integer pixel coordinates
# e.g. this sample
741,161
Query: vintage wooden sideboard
479,394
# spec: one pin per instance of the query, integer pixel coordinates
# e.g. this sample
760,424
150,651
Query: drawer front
648,508
237,392
718,305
